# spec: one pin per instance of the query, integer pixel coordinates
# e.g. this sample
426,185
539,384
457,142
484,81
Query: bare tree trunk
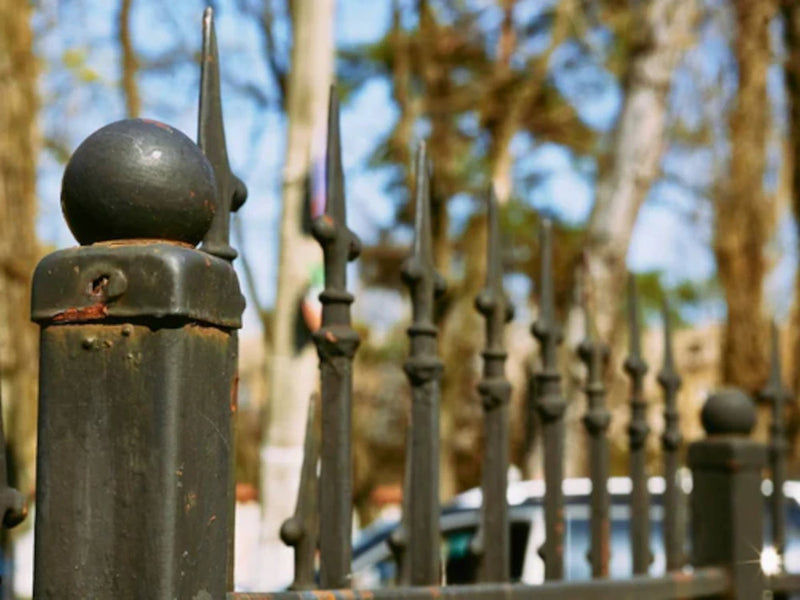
128,62
744,215
19,250
663,30
791,29
292,373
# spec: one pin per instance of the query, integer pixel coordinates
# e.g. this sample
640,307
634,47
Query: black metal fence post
594,354
638,430
495,390
551,405
137,377
337,343
726,501
423,369
138,354
671,440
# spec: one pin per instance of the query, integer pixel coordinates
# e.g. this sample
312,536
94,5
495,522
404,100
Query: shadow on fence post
138,377
727,504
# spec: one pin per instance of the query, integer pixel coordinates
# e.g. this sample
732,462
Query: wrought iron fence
138,387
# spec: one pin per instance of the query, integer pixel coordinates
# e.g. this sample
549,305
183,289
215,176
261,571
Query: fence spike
231,191
777,395
423,369
551,405
671,440
301,529
594,354
495,391
13,509
336,343
638,431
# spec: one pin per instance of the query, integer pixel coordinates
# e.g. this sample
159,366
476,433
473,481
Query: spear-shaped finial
546,329
493,296
668,377
231,191
330,229
635,365
774,383
594,354
419,265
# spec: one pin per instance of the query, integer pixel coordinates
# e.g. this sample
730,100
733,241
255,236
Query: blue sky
81,33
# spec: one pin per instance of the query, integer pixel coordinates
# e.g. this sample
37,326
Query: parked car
374,566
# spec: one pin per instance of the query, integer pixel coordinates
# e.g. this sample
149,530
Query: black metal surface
671,440
594,355
551,405
494,542
126,281
637,434
709,582
336,343
134,478
726,500
777,396
138,179
138,355
728,411
231,191
301,530
423,369
13,508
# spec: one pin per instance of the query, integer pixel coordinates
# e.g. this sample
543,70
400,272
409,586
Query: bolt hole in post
99,285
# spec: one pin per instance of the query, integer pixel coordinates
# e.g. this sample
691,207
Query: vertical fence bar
12,512
777,395
594,354
12,503
495,391
336,343
726,501
638,430
550,405
302,529
423,369
671,439
231,192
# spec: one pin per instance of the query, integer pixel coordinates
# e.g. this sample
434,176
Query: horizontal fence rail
703,583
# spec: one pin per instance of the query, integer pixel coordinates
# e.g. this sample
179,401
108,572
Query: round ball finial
138,179
728,411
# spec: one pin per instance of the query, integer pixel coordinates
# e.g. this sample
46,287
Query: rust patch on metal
235,393
141,242
159,124
191,501
88,313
